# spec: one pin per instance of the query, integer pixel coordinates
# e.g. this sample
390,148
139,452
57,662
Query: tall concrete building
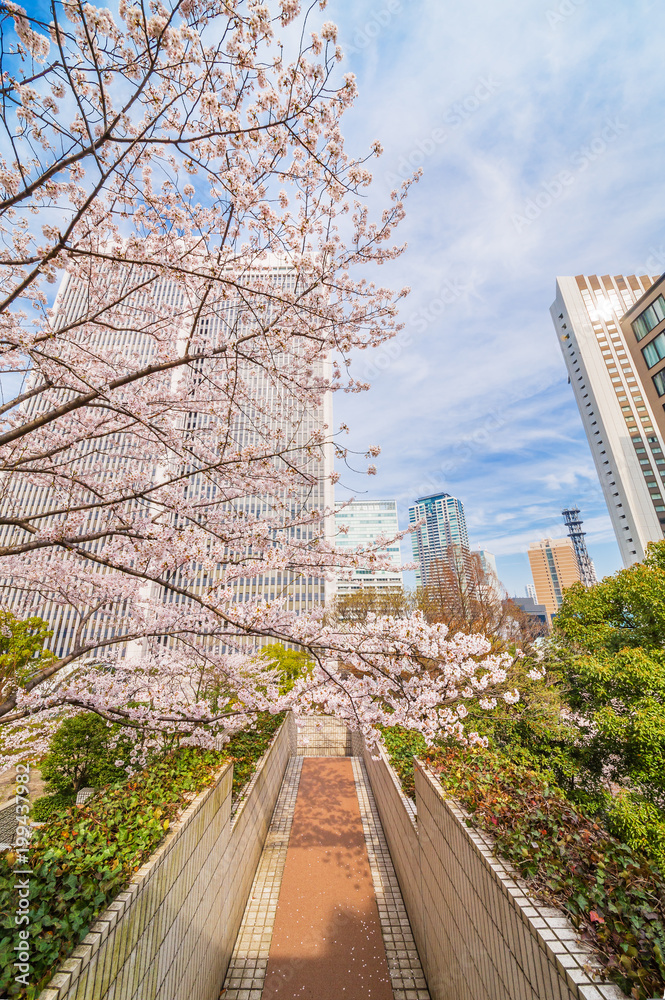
554,567
443,532
643,328
276,407
365,521
617,394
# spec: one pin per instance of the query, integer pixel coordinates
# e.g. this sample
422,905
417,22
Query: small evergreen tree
80,755
22,652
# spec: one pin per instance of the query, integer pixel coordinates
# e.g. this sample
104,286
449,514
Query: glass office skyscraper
275,405
367,520
443,532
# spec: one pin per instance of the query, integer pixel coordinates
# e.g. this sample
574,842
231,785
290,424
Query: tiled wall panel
322,736
398,819
479,936
170,935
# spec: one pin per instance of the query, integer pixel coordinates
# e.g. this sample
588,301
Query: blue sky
500,103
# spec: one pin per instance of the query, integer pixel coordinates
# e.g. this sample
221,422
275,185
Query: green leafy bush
608,649
534,730
609,641
638,823
81,754
402,745
86,855
248,746
613,894
47,805
292,664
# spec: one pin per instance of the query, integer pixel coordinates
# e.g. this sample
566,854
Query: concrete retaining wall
323,736
8,824
479,936
171,934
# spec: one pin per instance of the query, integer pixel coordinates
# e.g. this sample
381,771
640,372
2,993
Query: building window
655,351
651,317
659,382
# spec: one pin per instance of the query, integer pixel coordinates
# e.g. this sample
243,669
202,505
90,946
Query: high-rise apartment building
276,408
365,521
444,531
554,568
643,328
617,396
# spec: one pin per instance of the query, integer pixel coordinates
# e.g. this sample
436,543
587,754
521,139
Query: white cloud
478,404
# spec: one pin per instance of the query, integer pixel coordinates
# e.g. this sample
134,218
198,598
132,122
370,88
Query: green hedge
402,745
613,894
48,805
86,855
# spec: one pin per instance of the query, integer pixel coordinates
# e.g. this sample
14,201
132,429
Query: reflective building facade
444,527
364,521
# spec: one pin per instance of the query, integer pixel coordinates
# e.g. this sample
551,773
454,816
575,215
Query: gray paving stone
247,969
403,962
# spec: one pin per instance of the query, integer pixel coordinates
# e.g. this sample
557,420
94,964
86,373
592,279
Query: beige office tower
554,568
277,405
643,329
613,391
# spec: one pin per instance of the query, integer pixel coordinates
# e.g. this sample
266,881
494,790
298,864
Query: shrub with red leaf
613,895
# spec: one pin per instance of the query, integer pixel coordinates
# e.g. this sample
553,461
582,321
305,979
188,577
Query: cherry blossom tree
167,438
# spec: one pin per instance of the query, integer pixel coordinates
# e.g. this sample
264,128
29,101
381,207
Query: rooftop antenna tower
571,516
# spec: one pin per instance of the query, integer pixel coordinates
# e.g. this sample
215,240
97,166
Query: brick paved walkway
327,941
298,976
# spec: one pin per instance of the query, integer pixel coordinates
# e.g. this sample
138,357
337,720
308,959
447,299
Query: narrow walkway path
247,968
327,941
325,918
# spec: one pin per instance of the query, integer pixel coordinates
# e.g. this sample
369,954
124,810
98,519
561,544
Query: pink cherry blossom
188,187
